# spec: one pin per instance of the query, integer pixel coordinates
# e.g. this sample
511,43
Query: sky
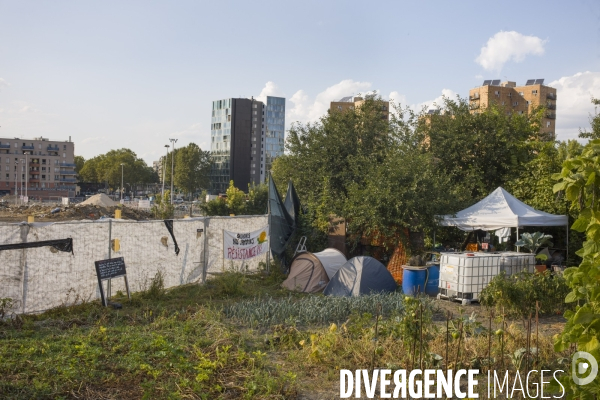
113,74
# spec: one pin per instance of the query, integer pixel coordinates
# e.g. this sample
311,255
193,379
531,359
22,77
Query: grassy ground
227,339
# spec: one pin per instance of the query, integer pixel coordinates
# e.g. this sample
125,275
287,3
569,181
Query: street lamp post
121,181
163,168
172,166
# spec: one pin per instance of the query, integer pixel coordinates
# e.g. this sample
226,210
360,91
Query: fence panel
41,278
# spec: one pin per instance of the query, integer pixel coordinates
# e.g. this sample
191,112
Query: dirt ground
54,213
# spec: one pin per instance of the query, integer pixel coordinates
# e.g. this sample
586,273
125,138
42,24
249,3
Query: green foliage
107,168
238,203
517,294
579,180
258,197
479,151
312,309
157,287
163,209
216,207
79,163
533,241
594,123
191,168
236,200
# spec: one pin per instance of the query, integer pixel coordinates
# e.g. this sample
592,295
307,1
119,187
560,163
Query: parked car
178,201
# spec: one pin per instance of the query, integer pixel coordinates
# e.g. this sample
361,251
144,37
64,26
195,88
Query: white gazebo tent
500,210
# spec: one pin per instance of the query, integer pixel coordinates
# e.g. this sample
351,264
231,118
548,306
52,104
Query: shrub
517,294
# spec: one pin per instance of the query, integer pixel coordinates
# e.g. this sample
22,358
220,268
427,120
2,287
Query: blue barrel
413,280
433,280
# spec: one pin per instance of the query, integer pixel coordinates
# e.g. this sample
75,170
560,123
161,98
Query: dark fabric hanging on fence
169,225
65,245
281,223
292,202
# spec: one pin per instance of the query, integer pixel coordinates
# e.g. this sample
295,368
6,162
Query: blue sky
114,74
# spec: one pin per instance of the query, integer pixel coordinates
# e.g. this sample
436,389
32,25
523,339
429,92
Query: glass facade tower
246,137
274,132
220,145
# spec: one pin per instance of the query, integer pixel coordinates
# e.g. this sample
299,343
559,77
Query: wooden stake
537,333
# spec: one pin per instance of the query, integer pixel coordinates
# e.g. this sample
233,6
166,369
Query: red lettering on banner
234,253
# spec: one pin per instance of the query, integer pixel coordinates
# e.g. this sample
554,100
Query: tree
579,180
479,151
370,171
191,168
107,168
79,162
236,200
594,122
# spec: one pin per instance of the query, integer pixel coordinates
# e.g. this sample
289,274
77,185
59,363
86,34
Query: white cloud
573,102
508,46
270,89
3,83
438,102
307,110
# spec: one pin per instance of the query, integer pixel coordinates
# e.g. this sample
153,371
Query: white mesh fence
41,278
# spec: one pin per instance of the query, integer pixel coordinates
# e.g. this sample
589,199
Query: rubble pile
77,212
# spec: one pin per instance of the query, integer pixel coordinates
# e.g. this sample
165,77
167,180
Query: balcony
551,96
65,165
551,106
24,147
474,97
67,172
73,180
474,106
4,146
52,148
551,115
34,164
34,180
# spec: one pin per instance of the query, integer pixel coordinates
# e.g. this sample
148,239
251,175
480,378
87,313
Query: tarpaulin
169,225
281,223
292,202
65,245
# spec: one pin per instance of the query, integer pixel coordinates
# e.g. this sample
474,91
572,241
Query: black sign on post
108,269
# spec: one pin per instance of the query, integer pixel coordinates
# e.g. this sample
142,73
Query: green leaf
588,343
571,297
559,186
584,316
580,225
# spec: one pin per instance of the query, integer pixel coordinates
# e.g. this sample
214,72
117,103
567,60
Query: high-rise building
350,103
46,168
246,136
518,99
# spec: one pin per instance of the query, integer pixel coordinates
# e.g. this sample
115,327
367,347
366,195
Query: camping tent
310,272
361,275
499,210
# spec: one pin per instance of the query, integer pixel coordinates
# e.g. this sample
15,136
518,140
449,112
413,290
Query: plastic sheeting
41,278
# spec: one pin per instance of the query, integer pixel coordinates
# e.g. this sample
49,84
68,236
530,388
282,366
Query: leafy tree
236,200
580,182
191,168
107,168
594,122
258,197
79,162
479,151
215,207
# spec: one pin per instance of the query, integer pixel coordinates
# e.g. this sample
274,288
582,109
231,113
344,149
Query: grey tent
310,272
360,275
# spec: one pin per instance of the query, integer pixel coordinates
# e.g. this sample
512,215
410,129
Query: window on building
516,103
64,155
527,102
55,177
44,177
7,176
548,123
64,146
534,91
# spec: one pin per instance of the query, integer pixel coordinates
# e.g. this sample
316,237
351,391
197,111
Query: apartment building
246,137
518,99
351,103
40,167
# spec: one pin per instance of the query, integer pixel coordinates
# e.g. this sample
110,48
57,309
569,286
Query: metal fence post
205,249
108,285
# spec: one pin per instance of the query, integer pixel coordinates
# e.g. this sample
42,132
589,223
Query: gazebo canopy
501,210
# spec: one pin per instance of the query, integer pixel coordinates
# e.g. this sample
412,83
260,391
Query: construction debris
48,213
